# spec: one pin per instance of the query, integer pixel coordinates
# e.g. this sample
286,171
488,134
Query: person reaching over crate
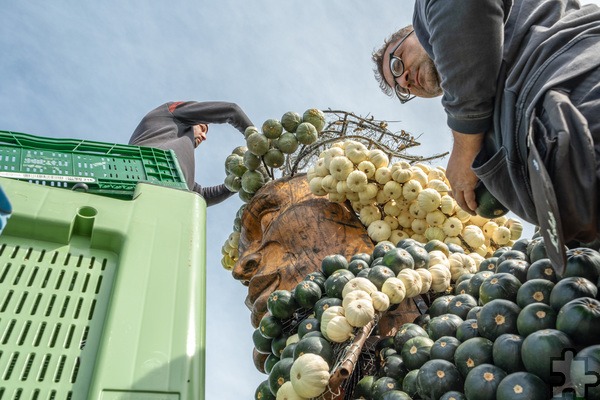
182,126
5,209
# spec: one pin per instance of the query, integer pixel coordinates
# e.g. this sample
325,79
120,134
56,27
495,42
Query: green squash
290,121
362,390
542,346
261,343
467,330
440,305
443,325
357,265
280,374
580,319
444,348
580,376
308,325
323,304
263,392
269,362
415,352
507,353
499,286
473,352
307,293
278,344
393,367
522,386
517,268
583,262
315,345
405,332
395,395
379,274
482,382
334,284
568,289
437,377
475,282
409,384
488,206
366,257
498,317
281,304
488,265
380,249
535,317
534,291
542,269
270,326
510,254
332,263
383,385
453,395
288,351
461,304
474,312
398,259
419,255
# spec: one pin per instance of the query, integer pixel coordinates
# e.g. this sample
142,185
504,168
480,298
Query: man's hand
459,172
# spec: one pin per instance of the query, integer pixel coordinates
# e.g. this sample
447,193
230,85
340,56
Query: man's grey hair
377,58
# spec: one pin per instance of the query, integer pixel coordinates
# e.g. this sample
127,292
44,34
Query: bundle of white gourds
401,200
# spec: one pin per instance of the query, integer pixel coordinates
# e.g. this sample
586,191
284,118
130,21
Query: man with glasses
520,85
182,126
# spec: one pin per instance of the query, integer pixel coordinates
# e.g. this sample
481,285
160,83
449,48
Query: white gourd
392,208
462,215
367,167
383,175
354,295
501,235
473,236
478,220
400,173
489,228
352,196
315,186
356,152
356,181
477,258
395,289
405,219
379,231
429,199
438,257
501,220
452,226
336,197
378,158
309,375
320,168
329,184
340,167
435,174
359,283
434,233
339,329
310,173
419,175
426,279
392,222
381,301
393,189
397,235
369,214
360,312
411,280
287,392
342,187
369,192
515,227
439,186
419,238
436,218
423,167
461,264
381,197
329,154
416,211
328,315
447,204
419,226
440,278
411,189
453,240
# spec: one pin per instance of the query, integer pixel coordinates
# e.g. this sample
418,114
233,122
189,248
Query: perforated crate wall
52,306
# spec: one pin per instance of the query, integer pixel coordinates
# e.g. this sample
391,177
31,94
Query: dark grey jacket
170,126
507,68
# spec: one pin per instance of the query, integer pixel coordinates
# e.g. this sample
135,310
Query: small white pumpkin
453,240
315,186
411,189
310,173
411,280
352,296
381,301
336,197
429,199
447,205
438,257
392,208
436,218
473,236
360,312
340,167
461,264
419,175
356,152
452,226
502,220
369,214
328,315
478,220
397,235
383,175
379,231
309,375
356,181
393,189
400,174
395,290
382,197
426,279
419,226
405,219
352,196
342,187
329,154
339,329
440,278
515,227
434,233
287,392
329,184
435,174
369,192
439,186
378,158
478,258
367,167
358,283
501,235
416,211
488,229
392,222
320,168
462,215
419,238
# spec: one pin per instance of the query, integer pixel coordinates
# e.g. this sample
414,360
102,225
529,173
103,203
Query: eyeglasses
397,69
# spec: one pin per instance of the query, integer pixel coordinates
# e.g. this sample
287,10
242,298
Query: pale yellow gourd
381,197
447,205
453,240
350,195
411,189
329,154
501,235
392,208
429,199
419,226
287,392
310,173
489,228
360,312
381,301
478,220
423,167
419,238
320,168
378,158
515,227
359,283
440,277
435,174
501,220
339,329
356,152
438,185
336,197
328,315
434,233
369,192
393,189
383,175
436,218
342,187
315,186
392,222
367,167
340,167
461,264
329,184
353,295
395,290
397,235
309,375
295,338
426,279
419,175
379,231
473,236
462,215
477,258
452,226
356,181
400,174
416,211
405,219
411,280
438,257
369,214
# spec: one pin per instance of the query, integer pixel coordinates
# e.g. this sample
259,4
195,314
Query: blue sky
91,70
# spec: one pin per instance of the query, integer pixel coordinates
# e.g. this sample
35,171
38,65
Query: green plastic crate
102,298
95,167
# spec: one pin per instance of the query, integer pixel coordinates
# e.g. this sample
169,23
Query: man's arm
459,173
213,194
210,112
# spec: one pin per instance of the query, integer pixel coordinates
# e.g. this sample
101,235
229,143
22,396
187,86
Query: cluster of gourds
401,200
246,166
330,305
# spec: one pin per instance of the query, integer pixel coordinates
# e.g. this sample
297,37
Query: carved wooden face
286,232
